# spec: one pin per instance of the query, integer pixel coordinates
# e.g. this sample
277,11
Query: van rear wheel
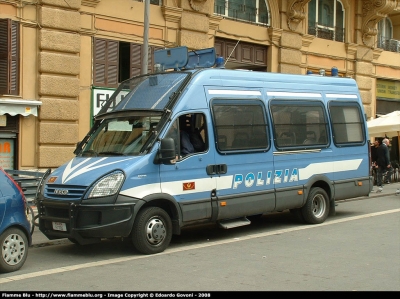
152,230
316,209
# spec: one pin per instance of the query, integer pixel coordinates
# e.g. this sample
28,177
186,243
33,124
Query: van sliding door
302,151
242,145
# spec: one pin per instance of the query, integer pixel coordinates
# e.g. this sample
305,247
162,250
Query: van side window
239,125
299,124
190,134
347,123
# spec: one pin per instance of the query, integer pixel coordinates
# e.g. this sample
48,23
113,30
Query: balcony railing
241,13
154,2
331,33
386,44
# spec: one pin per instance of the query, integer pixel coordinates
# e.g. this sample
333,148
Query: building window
116,61
242,55
326,19
9,57
385,36
254,11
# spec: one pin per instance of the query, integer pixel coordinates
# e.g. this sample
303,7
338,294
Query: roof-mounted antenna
232,51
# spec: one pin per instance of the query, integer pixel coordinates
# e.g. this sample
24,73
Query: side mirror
167,151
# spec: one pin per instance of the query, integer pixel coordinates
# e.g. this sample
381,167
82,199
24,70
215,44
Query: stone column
59,68
195,22
290,56
274,63
364,77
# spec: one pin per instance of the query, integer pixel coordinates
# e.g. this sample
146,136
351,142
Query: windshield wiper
89,153
111,153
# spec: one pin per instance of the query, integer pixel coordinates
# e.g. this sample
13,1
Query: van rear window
347,123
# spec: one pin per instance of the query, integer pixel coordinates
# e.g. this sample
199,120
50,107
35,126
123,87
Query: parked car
15,237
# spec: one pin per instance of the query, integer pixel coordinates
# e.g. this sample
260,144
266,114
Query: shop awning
23,107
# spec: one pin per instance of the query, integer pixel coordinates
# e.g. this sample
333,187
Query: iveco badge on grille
61,191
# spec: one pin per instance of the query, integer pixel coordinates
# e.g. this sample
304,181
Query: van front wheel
152,230
316,209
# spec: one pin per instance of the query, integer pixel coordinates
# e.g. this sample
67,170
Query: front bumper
85,223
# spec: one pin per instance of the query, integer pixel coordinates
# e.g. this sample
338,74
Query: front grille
74,192
50,212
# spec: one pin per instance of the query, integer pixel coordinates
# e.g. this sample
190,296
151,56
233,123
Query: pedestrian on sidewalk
383,163
388,175
374,157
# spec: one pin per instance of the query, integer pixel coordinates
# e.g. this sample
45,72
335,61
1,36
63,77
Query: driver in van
186,145
183,146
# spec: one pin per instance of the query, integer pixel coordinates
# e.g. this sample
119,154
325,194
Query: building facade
60,59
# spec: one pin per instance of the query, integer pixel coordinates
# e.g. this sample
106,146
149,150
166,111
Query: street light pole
145,46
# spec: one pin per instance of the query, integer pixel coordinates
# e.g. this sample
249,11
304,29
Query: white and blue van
257,143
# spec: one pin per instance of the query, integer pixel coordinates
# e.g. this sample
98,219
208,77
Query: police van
194,143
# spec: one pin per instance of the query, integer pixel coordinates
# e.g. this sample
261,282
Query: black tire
31,217
14,249
298,215
316,209
36,220
73,241
152,231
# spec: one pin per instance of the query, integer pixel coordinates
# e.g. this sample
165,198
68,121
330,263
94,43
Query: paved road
40,240
357,249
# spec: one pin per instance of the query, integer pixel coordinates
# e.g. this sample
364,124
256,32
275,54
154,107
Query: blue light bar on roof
201,58
179,58
175,58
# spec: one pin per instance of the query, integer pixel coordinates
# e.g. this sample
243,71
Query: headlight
108,185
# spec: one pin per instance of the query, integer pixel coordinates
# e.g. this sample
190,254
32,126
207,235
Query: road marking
169,251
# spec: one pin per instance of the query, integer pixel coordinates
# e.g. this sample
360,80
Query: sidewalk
387,190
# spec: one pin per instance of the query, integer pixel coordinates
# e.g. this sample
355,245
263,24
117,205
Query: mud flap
332,208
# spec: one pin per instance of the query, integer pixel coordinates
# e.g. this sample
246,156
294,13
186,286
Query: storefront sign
100,96
3,120
7,153
388,89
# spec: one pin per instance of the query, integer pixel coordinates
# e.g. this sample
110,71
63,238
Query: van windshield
121,136
149,92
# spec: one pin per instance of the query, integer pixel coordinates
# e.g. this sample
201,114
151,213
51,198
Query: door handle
217,169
